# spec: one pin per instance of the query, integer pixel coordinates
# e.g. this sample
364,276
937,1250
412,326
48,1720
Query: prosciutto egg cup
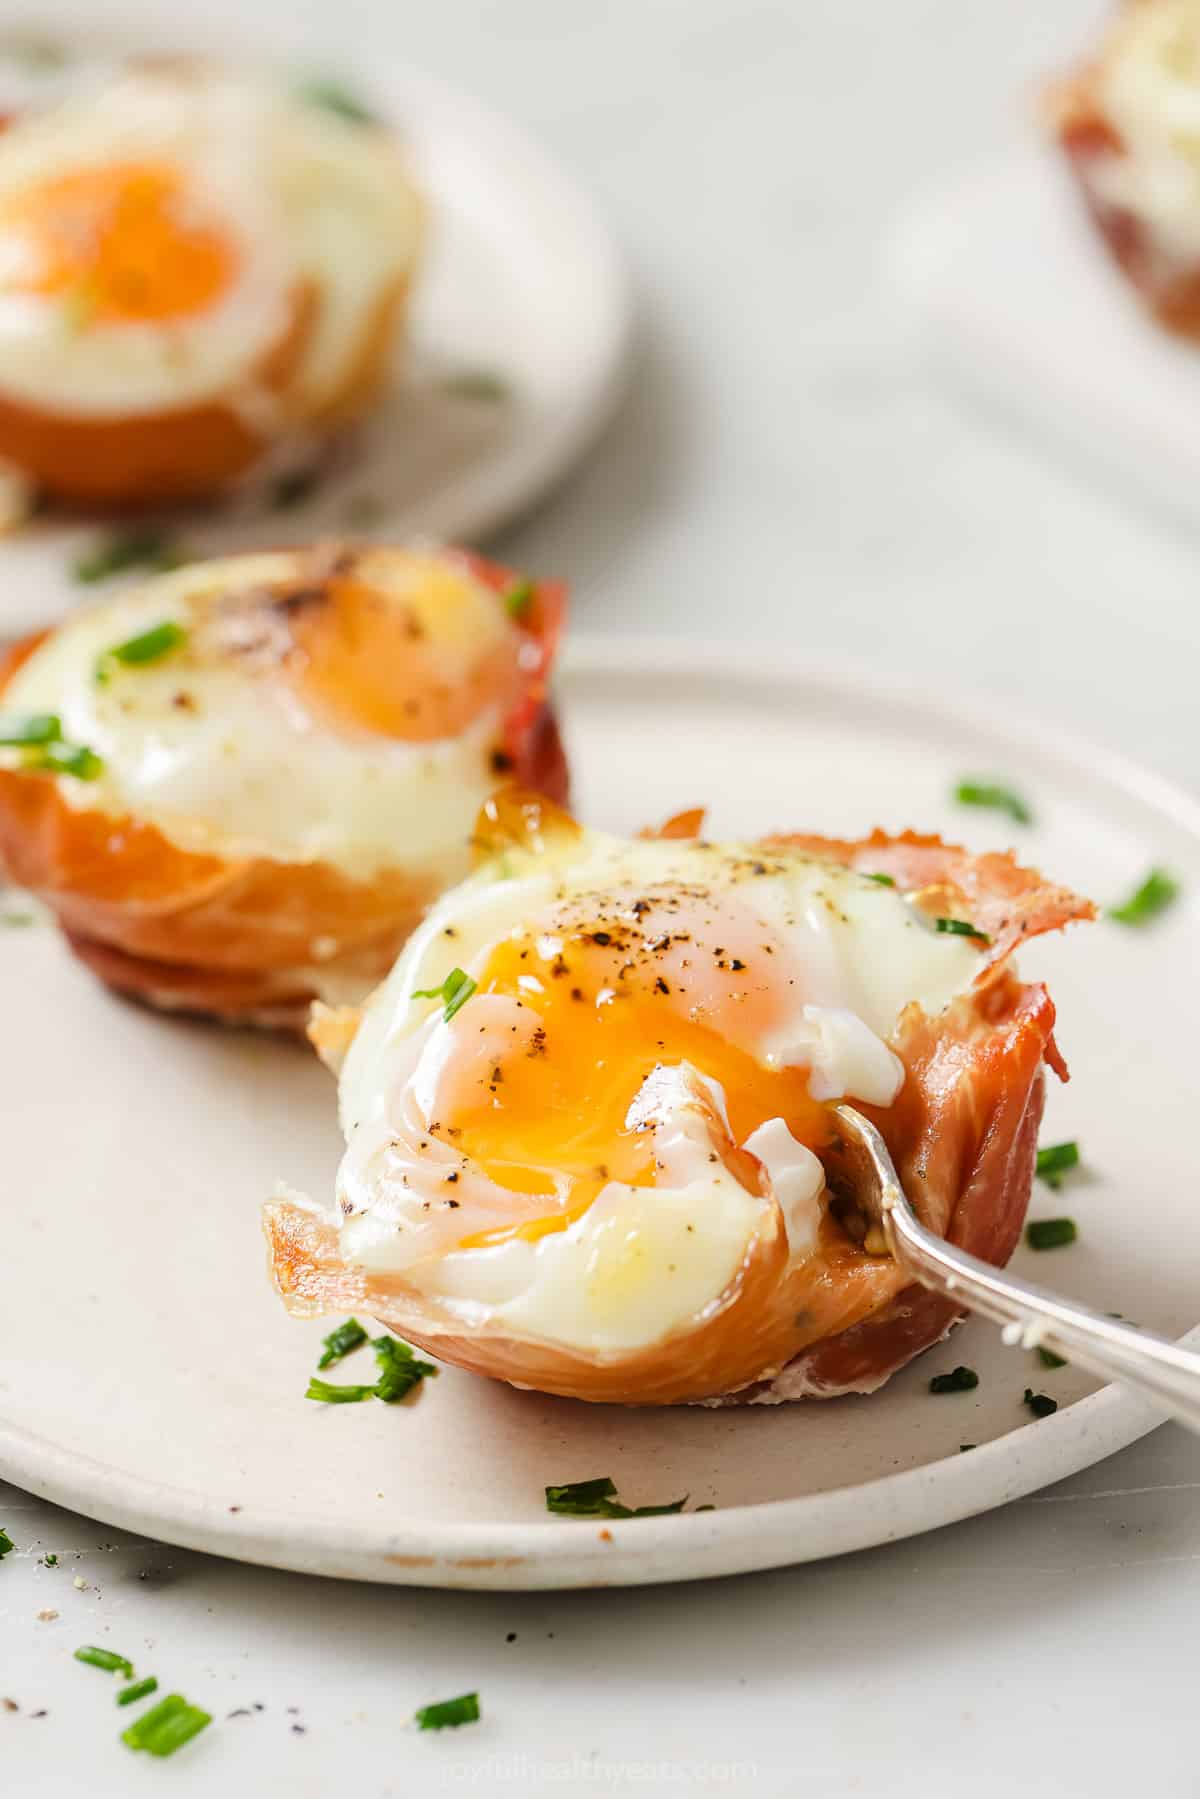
1129,123
196,271
587,1110
240,785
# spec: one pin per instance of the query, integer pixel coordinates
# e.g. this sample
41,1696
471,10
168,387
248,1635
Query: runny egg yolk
123,244
416,661
552,1116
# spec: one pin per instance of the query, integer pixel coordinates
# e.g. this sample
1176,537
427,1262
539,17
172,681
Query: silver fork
1162,1370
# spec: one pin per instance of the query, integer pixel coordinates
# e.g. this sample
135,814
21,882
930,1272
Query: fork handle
1164,1371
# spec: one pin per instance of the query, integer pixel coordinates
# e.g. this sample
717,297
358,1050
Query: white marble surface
785,470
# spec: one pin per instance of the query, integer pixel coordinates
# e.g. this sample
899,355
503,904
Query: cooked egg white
155,235
224,755
586,1149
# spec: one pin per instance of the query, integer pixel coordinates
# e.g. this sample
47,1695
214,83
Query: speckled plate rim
513,1556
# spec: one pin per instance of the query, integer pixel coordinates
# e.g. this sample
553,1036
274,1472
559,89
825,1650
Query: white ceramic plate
1017,294
521,283
150,1378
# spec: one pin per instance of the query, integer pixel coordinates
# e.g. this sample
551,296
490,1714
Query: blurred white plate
522,286
150,1378
1017,295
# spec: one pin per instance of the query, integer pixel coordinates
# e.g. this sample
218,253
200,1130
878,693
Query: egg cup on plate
240,785
586,1112
195,270
1129,122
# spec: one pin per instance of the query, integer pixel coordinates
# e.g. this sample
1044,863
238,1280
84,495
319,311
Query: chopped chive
51,1560
597,1499
333,96
996,796
293,489
518,598
80,304
126,550
958,927
38,727
963,1447
1054,1161
1048,1359
138,1690
883,880
6,1544
1050,1233
147,646
482,385
449,1713
167,1726
1040,1404
399,1369
959,1380
106,1659
65,759
1154,895
328,1394
341,1341
454,992
581,1498
364,510
40,54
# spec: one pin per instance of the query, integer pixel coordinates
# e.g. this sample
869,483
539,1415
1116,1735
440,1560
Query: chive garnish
963,1447
364,510
1050,1233
128,549
51,1559
333,96
147,646
328,1394
6,1544
454,992
449,1713
399,1372
1048,1359
597,1499
41,54
293,489
38,727
167,1726
65,759
399,1369
518,597
341,1341
482,385
958,927
1040,1404
1054,1161
959,1380
138,1690
106,1659
882,880
996,796
1154,895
